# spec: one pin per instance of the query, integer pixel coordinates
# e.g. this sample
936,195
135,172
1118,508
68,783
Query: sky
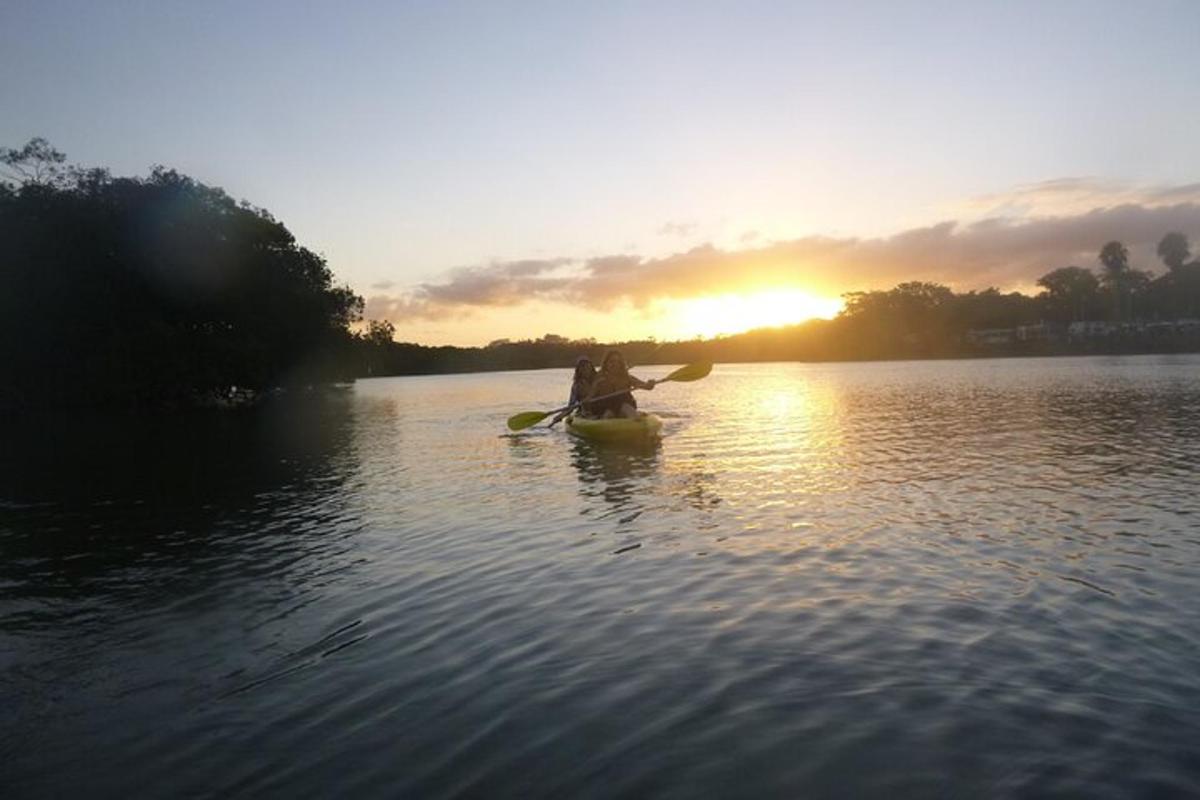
614,170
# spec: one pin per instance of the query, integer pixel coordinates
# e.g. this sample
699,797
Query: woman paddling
581,387
614,379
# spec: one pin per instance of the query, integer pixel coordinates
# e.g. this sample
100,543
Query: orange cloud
1002,250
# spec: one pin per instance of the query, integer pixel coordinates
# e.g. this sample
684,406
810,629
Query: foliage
155,290
1114,257
1070,294
1174,250
37,163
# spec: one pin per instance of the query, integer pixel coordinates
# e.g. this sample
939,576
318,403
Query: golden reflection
784,464
780,403
758,462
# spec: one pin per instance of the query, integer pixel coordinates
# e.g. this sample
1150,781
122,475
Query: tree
37,163
380,333
1174,250
1069,292
1138,285
1114,257
914,318
156,290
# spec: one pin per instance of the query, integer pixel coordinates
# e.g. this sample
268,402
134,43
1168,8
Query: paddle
692,372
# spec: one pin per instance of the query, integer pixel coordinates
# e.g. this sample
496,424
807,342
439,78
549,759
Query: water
940,578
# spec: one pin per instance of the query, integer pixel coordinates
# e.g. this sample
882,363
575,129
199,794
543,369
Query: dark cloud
996,251
504,283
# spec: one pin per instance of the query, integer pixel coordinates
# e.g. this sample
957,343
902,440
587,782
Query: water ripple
952,578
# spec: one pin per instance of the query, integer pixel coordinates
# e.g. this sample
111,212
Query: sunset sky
606,169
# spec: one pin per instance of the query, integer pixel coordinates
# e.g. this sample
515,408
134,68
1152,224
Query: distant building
1090,329
991,336
1087,331
1171,328
1041,332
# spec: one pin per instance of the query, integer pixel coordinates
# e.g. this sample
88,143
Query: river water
960,578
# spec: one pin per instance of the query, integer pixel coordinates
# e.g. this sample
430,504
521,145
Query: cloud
383,286
1076,195
748,237
503,283
1003,251
680,229
397,308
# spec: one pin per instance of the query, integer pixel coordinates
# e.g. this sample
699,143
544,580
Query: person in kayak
581,387
614,379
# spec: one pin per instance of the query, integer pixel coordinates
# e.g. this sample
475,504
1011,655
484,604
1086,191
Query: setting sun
734,313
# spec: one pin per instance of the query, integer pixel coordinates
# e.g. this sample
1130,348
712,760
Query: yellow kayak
617,429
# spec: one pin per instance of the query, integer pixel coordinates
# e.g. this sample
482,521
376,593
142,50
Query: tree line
912,320
162,291
1121,293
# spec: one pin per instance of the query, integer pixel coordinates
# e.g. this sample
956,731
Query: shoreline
864,360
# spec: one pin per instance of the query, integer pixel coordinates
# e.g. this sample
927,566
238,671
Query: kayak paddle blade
692,372
519,422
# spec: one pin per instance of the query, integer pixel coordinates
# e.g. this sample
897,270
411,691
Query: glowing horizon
703,317
722,315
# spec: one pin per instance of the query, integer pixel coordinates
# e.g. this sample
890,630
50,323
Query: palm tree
1114,257
1174,250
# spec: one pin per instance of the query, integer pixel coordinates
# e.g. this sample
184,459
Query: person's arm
641,384
575,398
599,388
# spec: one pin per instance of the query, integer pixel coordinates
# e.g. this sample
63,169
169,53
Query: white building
1090,329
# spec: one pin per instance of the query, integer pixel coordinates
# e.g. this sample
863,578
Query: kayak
617,429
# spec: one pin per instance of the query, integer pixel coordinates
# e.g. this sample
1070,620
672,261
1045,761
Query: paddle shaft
568,409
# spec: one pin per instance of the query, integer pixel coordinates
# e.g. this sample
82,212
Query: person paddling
615,378
581,387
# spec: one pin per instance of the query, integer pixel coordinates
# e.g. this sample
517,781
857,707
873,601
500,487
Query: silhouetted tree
153,290
1069,293
1174,250
1139,285
1114,258
36,163
381,332
992,308
916,315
